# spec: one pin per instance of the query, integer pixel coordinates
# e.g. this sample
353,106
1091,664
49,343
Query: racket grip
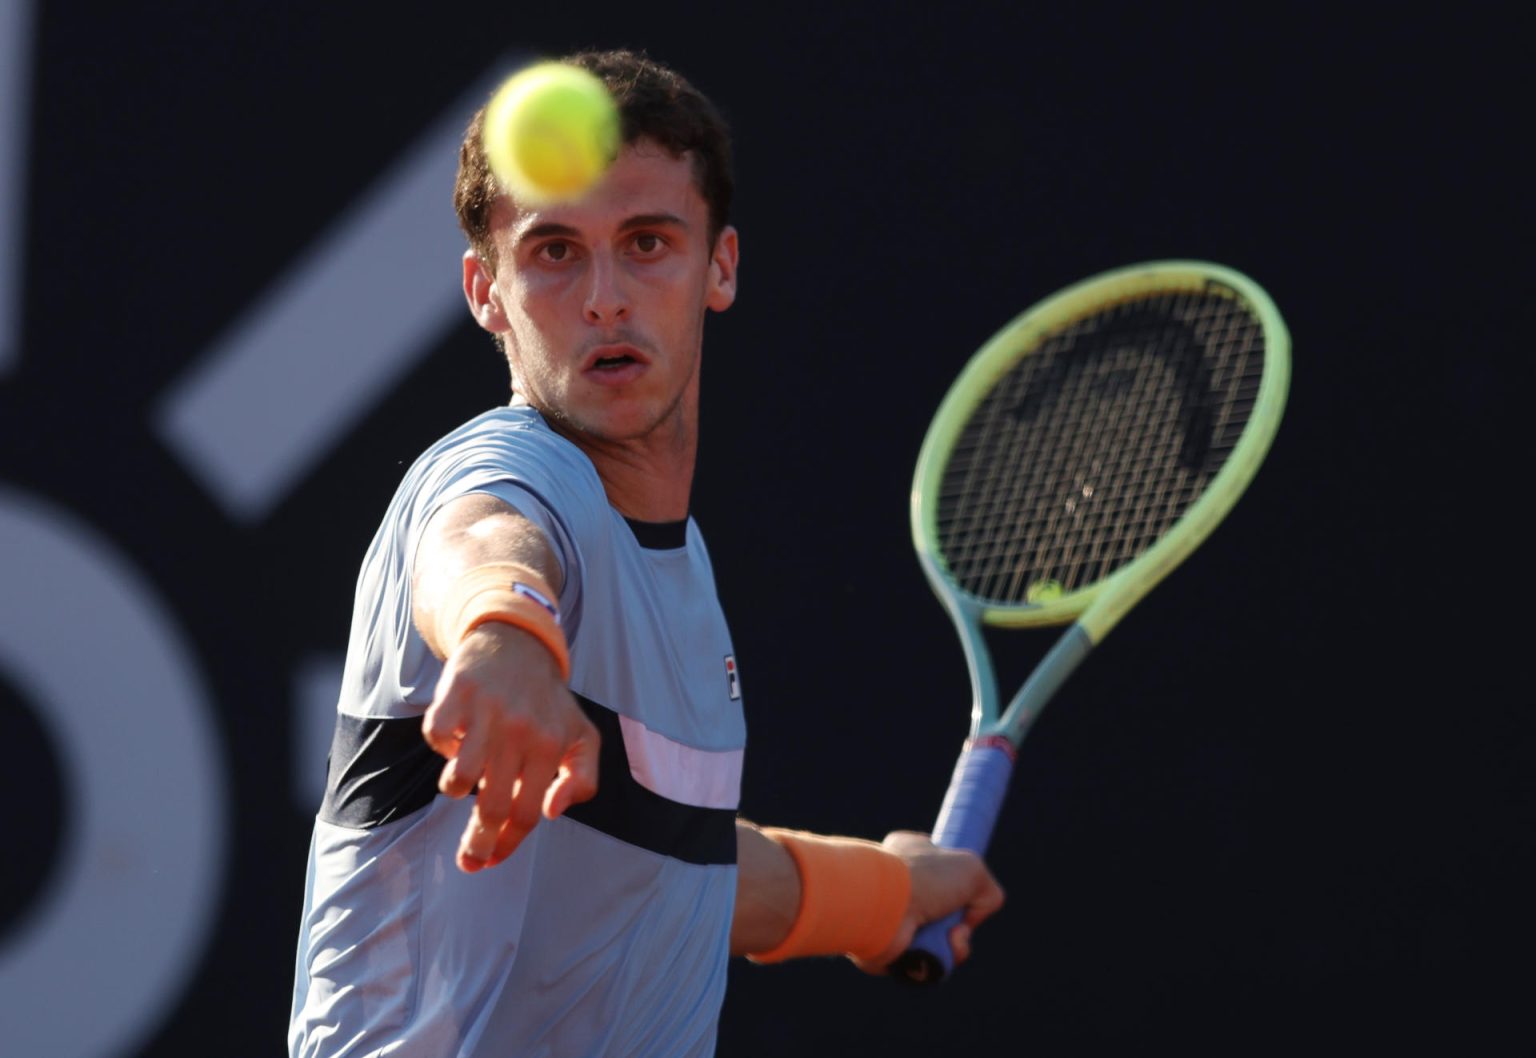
966,819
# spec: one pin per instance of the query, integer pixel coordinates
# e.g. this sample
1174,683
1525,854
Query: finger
524,815
529,793
577,777
443,725
960,942
450,780
570,787
985,902
507,842
478,841
493,804
512,833
566,790
465,770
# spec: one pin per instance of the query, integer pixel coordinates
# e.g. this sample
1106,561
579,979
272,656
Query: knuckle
543,743
492,812
517,726
436,721
525,814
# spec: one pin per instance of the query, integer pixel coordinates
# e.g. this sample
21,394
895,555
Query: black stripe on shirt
628,811
382,770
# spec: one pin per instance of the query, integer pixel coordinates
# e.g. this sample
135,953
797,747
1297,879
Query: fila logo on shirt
732,677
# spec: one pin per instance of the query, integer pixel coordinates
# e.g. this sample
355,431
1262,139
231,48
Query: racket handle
970,809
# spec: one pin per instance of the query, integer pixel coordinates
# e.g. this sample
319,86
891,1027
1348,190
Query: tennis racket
1079,457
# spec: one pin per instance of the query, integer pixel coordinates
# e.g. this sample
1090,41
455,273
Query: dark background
1287,804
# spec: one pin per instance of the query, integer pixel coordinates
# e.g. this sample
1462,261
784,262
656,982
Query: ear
481,294
722,271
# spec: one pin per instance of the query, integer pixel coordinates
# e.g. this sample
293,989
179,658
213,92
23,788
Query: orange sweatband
853,897
510,594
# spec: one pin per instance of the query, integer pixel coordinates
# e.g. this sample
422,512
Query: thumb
577,777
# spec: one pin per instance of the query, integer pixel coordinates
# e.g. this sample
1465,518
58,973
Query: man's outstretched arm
485,585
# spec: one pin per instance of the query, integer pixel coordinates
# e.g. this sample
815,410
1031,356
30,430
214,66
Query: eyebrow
653,220
554,229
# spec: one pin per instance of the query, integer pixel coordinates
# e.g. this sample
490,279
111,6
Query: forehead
644,180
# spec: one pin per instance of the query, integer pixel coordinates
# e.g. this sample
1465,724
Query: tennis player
528,843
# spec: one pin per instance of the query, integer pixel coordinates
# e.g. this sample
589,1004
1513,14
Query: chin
614,424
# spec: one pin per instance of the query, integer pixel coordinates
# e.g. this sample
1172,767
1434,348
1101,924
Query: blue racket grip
966,819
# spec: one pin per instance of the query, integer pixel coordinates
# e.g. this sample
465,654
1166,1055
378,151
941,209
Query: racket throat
1044,681
985,704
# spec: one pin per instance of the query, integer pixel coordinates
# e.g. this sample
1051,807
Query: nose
607,301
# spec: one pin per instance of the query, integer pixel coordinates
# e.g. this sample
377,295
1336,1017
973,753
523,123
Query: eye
648,243
554,252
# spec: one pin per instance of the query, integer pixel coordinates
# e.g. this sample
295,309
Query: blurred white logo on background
98,654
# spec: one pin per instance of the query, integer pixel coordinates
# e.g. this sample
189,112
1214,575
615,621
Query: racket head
1095,440
1081,455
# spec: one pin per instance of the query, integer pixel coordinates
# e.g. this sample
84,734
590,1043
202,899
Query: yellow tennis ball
551,131
1043,591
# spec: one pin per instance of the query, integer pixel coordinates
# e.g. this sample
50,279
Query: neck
649,479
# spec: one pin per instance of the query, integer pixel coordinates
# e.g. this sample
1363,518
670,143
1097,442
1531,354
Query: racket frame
975,794
1097,607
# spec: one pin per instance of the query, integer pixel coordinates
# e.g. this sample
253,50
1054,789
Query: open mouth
617,359
613,363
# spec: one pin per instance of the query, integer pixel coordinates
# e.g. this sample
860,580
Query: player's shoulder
510,427
513,442
508,446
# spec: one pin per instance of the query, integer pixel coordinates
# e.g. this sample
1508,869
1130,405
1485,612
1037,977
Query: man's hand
513,734
943,881
501,713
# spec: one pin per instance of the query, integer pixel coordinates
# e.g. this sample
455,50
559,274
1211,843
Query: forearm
767,891
472,532
485,587
803,894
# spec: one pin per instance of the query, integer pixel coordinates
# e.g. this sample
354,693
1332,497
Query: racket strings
1086,398
1087,450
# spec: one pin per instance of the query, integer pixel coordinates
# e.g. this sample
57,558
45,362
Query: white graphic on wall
15,109
138,882
92,647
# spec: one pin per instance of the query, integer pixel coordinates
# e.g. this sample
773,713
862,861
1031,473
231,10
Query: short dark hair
655,103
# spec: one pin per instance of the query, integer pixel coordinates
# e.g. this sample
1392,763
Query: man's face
601,302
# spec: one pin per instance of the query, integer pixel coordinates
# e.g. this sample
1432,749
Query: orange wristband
853,897
508,593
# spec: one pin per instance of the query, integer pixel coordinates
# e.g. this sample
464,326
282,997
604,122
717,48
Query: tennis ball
551,130
1043,591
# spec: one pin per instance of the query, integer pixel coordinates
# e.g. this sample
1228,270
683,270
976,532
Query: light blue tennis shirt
607,931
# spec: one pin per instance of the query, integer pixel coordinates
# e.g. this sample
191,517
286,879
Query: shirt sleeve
507,454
